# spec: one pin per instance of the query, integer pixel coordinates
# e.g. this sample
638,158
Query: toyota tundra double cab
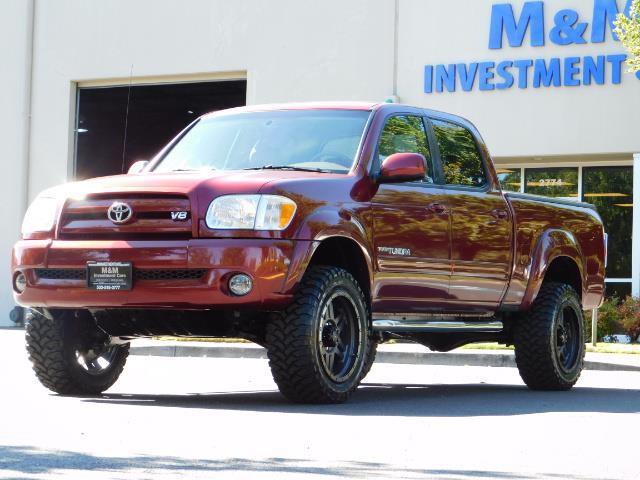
317,231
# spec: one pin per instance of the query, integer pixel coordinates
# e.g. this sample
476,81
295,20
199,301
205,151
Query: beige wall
15,18
532,122
289,50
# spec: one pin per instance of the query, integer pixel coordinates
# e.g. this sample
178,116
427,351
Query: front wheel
319,348
549,340
68,359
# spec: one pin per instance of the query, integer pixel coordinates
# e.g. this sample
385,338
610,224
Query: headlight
40,216
250,212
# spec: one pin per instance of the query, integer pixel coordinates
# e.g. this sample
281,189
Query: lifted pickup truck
317,231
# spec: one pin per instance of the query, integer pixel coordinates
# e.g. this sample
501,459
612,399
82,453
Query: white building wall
595,119
289,50
15,45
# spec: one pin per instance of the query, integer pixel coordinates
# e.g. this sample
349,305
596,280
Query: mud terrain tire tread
292,342
534,339
47,347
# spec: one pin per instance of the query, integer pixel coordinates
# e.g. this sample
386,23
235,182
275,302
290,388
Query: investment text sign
569,71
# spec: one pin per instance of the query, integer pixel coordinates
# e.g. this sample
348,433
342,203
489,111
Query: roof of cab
366,106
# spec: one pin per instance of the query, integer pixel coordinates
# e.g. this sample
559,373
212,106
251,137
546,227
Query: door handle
437,208
499,214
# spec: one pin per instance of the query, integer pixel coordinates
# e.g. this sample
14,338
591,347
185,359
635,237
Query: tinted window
509,178
405,134
552,182
461,160
312,139
610,189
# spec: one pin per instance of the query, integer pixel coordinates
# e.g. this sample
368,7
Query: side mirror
403,167
137,166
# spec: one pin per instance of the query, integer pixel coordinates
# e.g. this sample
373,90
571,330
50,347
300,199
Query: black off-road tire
371,357
295,341
539,335
52,347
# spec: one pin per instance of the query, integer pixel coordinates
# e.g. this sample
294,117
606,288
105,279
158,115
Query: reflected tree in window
509,178
461,160
552,182
610,189
405,134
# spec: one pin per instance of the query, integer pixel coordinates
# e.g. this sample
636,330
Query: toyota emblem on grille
119,212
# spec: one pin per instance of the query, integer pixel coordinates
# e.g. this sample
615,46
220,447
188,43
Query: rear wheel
69,357
320,347
549,340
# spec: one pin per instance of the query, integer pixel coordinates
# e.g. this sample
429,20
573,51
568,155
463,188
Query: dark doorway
156,114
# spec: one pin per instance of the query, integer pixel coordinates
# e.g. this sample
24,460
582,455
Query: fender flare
551,245
320,226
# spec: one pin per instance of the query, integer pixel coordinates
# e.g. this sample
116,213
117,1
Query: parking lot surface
224,418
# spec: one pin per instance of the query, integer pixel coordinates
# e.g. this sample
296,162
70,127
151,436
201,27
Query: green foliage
629,312
628,31
610,189
608,319
461,161
403,134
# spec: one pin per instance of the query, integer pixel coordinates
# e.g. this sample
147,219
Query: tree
628,31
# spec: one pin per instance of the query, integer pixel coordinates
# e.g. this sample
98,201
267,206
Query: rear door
481,224
410,227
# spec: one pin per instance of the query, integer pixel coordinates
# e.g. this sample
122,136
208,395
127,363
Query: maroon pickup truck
317,231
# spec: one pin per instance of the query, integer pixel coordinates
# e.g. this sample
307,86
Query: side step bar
442,325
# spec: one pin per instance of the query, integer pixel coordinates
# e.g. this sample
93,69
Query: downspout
26,140
396,21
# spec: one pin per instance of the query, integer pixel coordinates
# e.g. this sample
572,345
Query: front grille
154,217
62,273
142,274
173,274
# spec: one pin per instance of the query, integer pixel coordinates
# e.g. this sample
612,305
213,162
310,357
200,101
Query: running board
442,325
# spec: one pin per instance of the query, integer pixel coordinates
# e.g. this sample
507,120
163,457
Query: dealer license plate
109,275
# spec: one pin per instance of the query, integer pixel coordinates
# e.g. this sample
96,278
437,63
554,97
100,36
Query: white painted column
16,36
635,251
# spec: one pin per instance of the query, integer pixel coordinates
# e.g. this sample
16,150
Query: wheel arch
557,258
347,253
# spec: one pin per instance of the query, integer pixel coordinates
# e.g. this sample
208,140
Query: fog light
240,284
20,282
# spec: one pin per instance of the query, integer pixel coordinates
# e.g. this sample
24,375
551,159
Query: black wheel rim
96,362
338,336
567,344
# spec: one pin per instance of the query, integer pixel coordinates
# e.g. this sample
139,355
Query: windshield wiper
288,167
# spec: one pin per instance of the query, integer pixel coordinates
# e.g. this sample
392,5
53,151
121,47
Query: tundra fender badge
403,252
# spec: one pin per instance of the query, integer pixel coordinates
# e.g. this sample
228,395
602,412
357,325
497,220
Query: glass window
610,189
461,160
620,290
552,182
325,140
402,134
509,178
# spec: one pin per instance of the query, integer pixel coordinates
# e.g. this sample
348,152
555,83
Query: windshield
317,140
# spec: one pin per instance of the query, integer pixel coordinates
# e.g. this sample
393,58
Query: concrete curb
476,359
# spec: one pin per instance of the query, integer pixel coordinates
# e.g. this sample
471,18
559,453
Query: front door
411,229
481,223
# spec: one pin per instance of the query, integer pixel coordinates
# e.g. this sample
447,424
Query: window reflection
610,189
405,134
461,161
509,178
552,182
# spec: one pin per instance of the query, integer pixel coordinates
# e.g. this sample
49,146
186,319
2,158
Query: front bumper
274,266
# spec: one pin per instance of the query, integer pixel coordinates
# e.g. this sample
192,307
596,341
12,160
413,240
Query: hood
185,183
202,187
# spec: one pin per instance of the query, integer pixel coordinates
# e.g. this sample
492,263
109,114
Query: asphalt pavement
223,418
